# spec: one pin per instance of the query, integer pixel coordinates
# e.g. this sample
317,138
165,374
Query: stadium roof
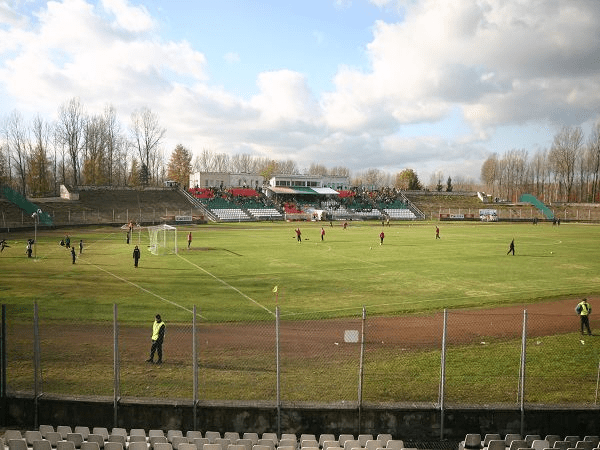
302,190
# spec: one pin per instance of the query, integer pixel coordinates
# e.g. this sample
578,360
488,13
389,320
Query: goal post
163,239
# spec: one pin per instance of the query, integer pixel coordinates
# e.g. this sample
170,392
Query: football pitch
231,270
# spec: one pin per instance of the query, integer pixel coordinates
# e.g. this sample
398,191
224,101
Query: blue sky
432,85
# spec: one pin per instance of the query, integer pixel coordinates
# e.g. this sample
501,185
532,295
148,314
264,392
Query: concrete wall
410,423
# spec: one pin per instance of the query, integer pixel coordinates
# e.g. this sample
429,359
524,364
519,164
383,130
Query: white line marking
226,284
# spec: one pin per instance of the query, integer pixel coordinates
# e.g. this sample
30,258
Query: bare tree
221,162
39,176
203,161
538,168
593,149
17,139
563,155
147,136
339,171
243,163
317,169
70,130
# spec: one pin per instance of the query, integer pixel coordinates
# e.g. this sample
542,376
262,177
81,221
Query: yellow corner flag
275,289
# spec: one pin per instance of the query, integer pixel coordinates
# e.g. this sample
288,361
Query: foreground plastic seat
31,436
17,444
343,438
540,444
163,445
496,444
173,433
102,431
233,436
247,443
97,438
396,444
86,445
83,431
42,444
138,445
45,429
384,437
114,446
65,445
562,445
272,436
363,438
75,438
212,436
193,434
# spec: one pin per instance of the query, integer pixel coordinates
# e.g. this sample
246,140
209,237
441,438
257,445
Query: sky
430,85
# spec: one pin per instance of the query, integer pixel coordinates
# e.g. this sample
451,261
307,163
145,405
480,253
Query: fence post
3,362
443,374
36,363
522,371
116,367
278,370
361,368
195,368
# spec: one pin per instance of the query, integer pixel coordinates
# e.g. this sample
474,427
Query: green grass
229,276
233,277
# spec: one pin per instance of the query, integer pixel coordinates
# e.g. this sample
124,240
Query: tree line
569,171
37,156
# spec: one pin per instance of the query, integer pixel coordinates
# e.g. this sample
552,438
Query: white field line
226,284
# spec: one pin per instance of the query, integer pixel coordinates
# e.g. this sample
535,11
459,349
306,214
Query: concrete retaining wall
410,423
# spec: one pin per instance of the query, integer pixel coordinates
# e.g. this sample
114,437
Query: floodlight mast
35,216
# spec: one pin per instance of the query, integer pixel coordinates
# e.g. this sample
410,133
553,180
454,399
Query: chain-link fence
458,357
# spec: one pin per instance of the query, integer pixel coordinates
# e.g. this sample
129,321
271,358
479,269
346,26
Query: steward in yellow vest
158,335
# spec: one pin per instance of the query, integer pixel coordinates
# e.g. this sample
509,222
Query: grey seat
247,443
17,444
12,434
102,431
87,445
138,445
156,433
32,436
173,434
177,440
562,445
137,432
64,430
163,445
200,442
496,444
540,444
119,438
65,445
187,446
490,437
516,444
552,438
384,437
268,443
585,445
212,436
193,434
374,444
289,436
83,431
114,445
53,437
272,436
137,438
233,436
45,429
76,438
529,438
396,444
42,444
511,437
153,440
594,439
363,438
572,439
97,438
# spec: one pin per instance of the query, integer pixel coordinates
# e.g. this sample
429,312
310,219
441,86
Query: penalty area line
227,284
142,289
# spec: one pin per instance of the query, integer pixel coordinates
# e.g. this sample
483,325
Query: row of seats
400,213
63,438
264,212
473,441
230,214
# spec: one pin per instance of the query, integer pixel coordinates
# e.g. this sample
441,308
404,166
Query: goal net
163,239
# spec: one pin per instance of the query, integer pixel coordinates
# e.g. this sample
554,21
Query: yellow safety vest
156,328
585,310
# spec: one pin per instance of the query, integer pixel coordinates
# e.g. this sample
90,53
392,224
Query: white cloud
488,64
131,18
